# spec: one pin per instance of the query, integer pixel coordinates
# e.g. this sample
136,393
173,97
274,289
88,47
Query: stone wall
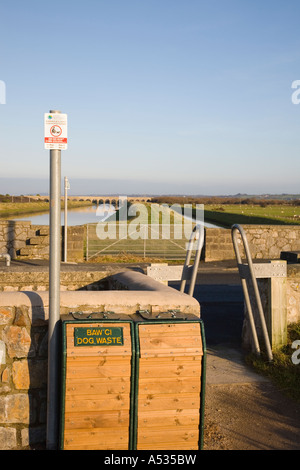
13,236
23,372
36,278
265,241
25,241
218,245
76,237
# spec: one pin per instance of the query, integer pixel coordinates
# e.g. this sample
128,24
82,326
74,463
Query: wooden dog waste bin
170,383
97,381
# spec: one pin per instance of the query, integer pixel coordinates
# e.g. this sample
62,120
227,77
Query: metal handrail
198,232
234,229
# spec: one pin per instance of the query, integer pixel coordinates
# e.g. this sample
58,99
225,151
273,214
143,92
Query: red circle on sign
55,130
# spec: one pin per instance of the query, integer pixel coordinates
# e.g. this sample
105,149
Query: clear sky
162,96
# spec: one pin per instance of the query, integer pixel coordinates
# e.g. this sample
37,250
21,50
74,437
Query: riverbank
9,210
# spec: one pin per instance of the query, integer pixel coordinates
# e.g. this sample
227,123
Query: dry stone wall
265,241
23,370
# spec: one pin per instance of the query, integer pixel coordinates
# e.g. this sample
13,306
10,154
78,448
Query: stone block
8,438
17,408
6,315
5,376
18,341
10,288
21,317
29,374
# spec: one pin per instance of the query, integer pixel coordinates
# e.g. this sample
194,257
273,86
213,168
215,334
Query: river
79,216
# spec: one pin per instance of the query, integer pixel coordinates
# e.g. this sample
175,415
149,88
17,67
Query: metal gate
166,241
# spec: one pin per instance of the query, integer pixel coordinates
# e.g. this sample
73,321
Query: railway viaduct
108,200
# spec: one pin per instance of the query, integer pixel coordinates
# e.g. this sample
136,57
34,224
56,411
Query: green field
228,214
12,209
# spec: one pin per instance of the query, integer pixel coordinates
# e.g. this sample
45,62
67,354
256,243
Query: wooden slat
122,370
169,401
170,352
168,369
98,361
162,349
168,418
170,342
119,446
170,385
196,359
170,329
109,438
93,351
96,403
172,436
85,386
103,419
170,446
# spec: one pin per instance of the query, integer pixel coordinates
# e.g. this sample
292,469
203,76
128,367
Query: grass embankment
283,371
226,215
14,209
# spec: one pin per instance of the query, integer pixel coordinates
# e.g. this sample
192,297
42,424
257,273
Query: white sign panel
56,137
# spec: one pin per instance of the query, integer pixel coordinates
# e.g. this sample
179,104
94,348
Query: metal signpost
67,186
55,139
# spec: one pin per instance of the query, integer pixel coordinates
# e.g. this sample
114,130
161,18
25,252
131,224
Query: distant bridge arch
111,200
117,201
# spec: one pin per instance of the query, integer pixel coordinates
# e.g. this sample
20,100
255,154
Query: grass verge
282,371
128,258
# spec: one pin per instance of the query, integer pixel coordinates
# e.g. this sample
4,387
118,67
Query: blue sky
162,96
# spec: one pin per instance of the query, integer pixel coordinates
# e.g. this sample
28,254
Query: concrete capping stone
139,292
137,281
